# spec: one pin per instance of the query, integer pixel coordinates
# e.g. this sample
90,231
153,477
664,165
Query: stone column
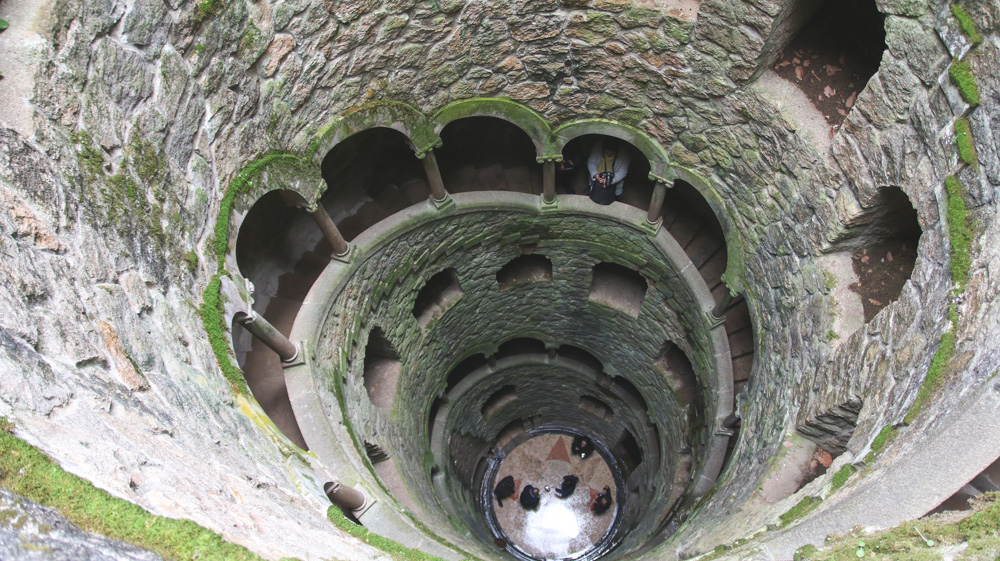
269,335
330,231
720,309
343,496
655,212
438,192
548,181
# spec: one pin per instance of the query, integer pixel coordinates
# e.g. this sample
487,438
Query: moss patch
397,550
960,73
212,317
963,139
802,508
28,472
937,374
841,477
923,539
959,233
884,437
208,9
966,24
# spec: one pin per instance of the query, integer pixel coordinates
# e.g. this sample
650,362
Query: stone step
315,260
350,227
713,268
518,179
684,228
703,247
266,379
281,311
370,213
415,190
462,179
737,316
293,286
742,367
390,198
741,343
491,177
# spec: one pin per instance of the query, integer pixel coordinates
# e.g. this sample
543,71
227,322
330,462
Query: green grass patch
212,316
28,472
919,540
885,436
960,73
937,374
959,233
966,24
963,139
802,508
841,477
395,549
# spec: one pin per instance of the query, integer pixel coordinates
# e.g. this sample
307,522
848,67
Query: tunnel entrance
569,520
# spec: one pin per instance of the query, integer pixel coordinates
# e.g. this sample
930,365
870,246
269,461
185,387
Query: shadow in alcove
883,241
834,54
638,188
370,176
488,154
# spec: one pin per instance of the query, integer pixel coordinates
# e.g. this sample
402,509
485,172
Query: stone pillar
343,496
655,212
548,181
269,335
330,231
438,192
720,309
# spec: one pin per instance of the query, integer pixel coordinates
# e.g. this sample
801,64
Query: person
602,502
564,171
504,489
568,486
582,446
608,166
530,497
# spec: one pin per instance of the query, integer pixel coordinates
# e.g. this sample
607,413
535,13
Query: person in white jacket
608,166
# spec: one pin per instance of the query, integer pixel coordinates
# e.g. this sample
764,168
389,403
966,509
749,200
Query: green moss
805,552
212,317
804,507
840,478
832,335
937,374
884,437
966,24
959,233
960,73
191,260
963,139
91,157
208,9
396,550
238,186
923,539
26,471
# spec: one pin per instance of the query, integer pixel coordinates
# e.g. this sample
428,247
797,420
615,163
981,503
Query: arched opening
382,367
677,369
834,54
498,399
439,293
882,241
524,269
583,357
520,346
371,175
488,154
585,154
596,407
618,287
690,220
461,370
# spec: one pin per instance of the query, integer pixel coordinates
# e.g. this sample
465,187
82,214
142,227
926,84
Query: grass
963,139
960,73
28,472
841,477
395,549
966,24
802,508
937,374
959,233
904,542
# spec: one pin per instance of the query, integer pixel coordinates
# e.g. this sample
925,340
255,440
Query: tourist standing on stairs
608,166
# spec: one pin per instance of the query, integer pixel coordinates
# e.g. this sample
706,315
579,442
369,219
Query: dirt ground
828,61
882,270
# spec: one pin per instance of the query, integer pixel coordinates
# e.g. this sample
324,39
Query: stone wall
108,233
